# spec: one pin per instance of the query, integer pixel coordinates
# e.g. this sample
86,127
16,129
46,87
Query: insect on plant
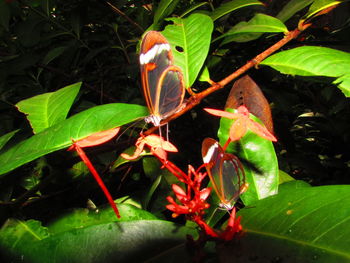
225,171
162,82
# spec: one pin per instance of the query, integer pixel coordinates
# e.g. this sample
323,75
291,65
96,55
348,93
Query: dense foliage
81,58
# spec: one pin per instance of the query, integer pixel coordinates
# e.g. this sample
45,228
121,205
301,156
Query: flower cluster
193,201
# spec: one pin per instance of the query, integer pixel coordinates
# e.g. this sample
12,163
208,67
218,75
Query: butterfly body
162,81
225,172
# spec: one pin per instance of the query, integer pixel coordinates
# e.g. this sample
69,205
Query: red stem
97,178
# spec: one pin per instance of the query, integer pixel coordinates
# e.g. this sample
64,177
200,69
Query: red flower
193,202
158,146
242,124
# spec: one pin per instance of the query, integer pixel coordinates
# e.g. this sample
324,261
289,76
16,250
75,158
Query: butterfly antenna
133,126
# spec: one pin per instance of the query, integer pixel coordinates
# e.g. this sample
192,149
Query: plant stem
197,98
115,9
97,178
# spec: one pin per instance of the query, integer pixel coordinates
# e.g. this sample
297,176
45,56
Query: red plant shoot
93,140
242,124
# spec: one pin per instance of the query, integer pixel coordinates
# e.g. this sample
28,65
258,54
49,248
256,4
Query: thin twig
115,9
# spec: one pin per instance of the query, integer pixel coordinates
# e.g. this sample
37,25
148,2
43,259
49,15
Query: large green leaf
306,224
84,217
246,31
48,109
231,6
190,41
128,241
259,160
314,61
291,8
79,126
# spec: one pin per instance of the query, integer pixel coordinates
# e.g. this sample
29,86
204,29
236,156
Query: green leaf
81,218
79,126
291,8
205,75
192,8
130,151
165,8
284,177
231,6
314,61
16,231
319,5
246,31
259,159
293,185
190,40
48,109
162,180
151,191
51,55
6,137
344,84
130,241
309,224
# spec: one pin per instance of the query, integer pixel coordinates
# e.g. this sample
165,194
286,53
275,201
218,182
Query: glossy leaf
77,127
231,6
48,109
291,8
189,39
259,159
306,224
165,8
319,5
314,61
128,241
6,137
205,75
81,218
260,23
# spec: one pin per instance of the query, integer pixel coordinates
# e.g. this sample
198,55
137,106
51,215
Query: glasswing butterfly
225,171
162,82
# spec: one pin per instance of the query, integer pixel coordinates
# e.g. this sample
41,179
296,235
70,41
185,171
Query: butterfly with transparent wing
162,82
225,171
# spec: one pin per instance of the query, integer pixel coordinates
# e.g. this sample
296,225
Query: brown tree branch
197,98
